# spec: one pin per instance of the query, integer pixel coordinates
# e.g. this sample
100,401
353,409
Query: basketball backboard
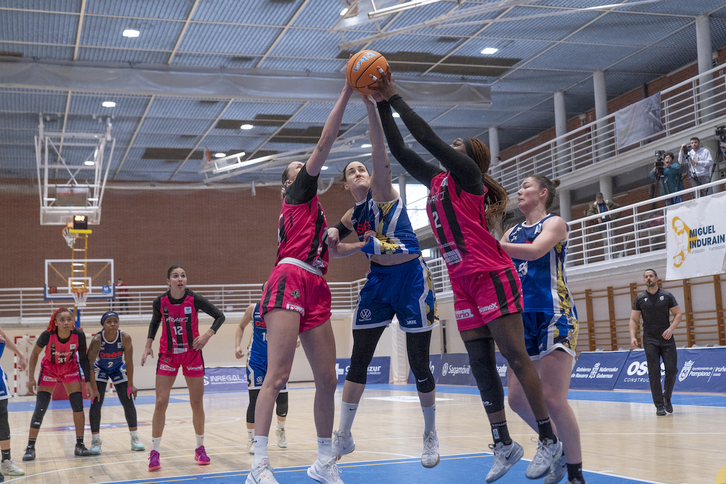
63,276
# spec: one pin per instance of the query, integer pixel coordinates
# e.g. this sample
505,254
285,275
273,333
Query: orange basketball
361,66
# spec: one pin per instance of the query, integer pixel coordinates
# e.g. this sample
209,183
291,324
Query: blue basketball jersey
257,350
394,234
4,389
111,356
544,281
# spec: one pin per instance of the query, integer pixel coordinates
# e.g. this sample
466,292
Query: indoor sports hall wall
218,236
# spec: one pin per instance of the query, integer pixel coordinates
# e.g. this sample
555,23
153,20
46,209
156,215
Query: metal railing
693,103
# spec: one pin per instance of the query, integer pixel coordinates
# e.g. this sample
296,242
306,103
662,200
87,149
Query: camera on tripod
659,157
721,133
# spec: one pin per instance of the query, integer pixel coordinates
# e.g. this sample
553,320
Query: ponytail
496,197
549,185
51,325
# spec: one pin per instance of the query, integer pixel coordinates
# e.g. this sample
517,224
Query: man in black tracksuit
656,306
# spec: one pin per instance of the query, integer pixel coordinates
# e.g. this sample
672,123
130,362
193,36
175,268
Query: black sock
79,440
6,455
574,471
545,430
500,432
31,443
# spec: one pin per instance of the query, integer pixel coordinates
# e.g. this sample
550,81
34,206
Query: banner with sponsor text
696,238
454,369
225,379
598,370
379,371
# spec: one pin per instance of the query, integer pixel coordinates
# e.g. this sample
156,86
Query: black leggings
280,410
4,425
94,415
417,347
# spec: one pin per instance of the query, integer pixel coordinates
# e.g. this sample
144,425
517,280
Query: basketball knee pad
4,425
41,405
364,345
483,360
417,347
281,408
76,401
252,405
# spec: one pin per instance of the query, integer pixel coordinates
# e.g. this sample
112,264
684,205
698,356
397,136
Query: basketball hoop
70,238
80,296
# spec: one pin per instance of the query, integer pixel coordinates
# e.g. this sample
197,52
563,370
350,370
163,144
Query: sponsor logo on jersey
491,307
463,314
453,257
113,354
365,315
176,320
195,368
522,269
166,367
73,347
187,310
293,307
295,294
119,345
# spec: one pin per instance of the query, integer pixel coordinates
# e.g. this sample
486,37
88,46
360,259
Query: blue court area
459,469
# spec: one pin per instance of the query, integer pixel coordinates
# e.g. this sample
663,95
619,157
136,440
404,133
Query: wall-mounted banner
457,369
225,379
638,121
598,370
696,238
379,371
434,364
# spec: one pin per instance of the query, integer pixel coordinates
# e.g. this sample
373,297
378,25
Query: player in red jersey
180,346
62,342
296,301
463,201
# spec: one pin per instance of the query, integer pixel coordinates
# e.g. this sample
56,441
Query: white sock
250,434
260,450
325,450
429,418
134,433
95,437
280,424
347,415
155,443
200,440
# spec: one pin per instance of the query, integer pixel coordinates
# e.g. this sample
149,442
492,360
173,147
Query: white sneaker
136,444
9,468
547,454
251,446
325,473
430,457
281,438
342,444
95,446
505,456
558,471
262,474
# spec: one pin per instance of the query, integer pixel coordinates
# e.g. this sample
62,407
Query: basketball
361,66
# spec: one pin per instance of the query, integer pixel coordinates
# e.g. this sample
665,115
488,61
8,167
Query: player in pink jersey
180,346
296,301
62,342
463,201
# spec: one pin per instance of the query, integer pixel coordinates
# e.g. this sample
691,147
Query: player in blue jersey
112,353
538,247
256,370
398,283
7,467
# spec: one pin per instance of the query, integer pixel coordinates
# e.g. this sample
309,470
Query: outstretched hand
386,86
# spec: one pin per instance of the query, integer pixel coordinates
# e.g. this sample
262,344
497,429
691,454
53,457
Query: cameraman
701,162
668,174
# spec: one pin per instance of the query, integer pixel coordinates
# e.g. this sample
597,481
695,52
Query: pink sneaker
154,464
200,456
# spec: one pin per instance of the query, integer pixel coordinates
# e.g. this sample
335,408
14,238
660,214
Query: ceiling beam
184,30
284,31
133,138
78,31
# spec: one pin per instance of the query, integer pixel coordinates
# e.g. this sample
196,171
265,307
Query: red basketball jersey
303,234
60,353
458,223
180,323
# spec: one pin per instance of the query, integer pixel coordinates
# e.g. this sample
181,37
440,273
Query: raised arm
554,231
338,249
381,184
240,331
330,133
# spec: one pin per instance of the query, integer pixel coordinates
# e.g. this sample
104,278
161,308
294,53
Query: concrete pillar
560,114
561,161
601,94
565,205
495,170
703,43
402,187
606,187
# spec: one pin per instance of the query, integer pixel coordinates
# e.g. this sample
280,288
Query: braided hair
496,198
51,325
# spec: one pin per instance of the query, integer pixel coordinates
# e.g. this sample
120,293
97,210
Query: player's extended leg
75,398
42,400
8,467
417,347
94,416
196,399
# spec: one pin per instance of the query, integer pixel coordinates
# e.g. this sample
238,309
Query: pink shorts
293,288
52,373
485,296
191,362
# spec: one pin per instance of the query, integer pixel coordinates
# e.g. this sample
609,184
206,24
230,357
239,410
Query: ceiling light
343,12
366,145
131,33
399,8
396,115
108,104
89,162
220,155
324,167
246,126
490,50
92,199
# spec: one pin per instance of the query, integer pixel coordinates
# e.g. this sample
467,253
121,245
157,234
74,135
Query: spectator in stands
656,306
670,181
123,296
700,161
600,205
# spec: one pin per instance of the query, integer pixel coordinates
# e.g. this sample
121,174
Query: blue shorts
405,290
4,390
545,332
256,376
116,376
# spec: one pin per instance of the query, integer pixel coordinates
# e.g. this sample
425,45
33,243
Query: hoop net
80,296
70,238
